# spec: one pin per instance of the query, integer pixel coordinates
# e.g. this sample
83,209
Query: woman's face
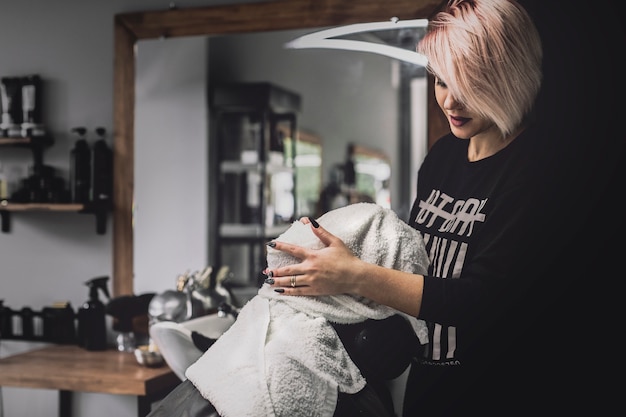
464,124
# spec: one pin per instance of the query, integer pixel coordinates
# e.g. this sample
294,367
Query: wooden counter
69,368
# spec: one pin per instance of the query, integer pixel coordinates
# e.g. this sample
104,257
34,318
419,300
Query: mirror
241,18
372,175
308,164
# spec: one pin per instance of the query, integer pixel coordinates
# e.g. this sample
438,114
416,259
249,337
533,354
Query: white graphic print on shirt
451,223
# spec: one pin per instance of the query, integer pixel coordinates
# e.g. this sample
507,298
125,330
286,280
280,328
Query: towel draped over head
282,357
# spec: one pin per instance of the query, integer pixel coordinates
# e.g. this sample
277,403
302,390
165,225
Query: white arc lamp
328,39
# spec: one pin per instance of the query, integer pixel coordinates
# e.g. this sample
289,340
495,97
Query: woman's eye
440,83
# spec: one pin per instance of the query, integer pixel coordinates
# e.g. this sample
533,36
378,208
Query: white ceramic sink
174,339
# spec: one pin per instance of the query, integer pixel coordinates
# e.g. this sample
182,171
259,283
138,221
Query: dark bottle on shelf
6,321
80,168
101,169
27,316
92,333
59,323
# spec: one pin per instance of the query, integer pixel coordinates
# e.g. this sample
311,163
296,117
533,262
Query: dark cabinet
253,175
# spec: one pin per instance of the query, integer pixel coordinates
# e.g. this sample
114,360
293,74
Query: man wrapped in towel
291,356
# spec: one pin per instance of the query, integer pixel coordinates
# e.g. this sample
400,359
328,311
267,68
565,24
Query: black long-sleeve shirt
477,220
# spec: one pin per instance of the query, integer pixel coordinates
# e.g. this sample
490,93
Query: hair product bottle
10,93
32,124
101,169
80,168
92,334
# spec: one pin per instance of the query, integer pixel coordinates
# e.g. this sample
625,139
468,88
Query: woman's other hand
327,271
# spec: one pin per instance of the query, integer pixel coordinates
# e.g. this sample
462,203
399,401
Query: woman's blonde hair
489,53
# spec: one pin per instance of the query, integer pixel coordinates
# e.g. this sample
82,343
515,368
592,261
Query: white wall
171,173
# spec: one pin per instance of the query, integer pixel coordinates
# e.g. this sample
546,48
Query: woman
475,209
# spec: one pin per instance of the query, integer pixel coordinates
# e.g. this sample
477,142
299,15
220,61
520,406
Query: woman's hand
327,271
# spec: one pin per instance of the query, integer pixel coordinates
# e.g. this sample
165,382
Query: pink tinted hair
489,54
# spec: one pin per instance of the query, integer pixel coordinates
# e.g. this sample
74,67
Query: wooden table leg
65,403
144,405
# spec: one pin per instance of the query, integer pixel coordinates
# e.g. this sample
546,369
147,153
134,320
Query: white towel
282,357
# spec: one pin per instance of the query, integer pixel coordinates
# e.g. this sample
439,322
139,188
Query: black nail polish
314,223
271,244
269,280
279,290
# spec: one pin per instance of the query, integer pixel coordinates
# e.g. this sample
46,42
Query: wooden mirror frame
234,18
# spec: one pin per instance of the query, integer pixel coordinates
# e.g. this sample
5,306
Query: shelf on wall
237,230
26,141
236,167
36,144
8,206
100,211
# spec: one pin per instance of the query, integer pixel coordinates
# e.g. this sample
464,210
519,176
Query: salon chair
174,341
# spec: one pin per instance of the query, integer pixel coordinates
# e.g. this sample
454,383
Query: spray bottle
92,334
